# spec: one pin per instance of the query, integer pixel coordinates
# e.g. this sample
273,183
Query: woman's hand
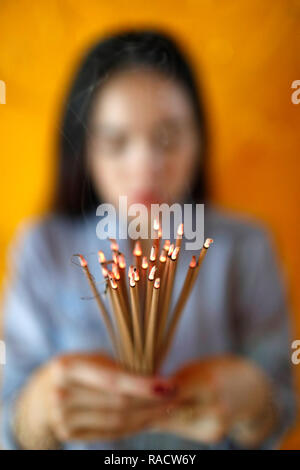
88,397
221,396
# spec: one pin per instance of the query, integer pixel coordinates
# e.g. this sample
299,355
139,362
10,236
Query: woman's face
143,141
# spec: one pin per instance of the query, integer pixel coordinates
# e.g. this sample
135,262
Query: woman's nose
144,160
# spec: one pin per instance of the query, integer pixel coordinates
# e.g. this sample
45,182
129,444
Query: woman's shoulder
235,226
37,229
44,237
248,240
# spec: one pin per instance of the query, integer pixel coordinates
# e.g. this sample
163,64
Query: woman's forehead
142,98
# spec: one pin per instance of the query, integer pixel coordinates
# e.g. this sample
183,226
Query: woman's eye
115,144
111,145
165,141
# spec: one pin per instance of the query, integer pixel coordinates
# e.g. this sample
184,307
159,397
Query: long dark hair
74,194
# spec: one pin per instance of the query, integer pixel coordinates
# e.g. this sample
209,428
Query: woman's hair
74,194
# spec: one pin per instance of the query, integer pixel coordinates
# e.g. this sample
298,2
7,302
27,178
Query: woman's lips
145,197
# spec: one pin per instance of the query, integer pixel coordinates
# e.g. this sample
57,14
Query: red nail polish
163,389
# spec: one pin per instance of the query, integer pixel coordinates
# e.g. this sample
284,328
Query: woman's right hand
89,397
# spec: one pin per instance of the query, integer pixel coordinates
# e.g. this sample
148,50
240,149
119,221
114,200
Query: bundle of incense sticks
140,324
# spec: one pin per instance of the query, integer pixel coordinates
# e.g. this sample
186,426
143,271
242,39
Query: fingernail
164,389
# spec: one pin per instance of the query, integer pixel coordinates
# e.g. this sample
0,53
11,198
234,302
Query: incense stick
157,237
126,342
190,280
150,337
183,297
152,257
171,267
100,304
137,253
122,272
179,235
145,327
136,320
149,295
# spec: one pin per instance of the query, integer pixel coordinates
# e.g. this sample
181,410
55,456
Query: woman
134,125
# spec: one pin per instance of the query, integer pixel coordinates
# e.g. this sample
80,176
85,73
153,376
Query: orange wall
249,56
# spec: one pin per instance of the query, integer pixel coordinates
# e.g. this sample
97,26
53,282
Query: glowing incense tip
156,224
83,261
101,257
208,242
171,249
130,270
122,262
137,249
136,276
153,254
132,282
193,262
159,232
144,263
105,272
180,230
157,283
152,273
114,246
167,245
113,283
175,253
163,257
116,272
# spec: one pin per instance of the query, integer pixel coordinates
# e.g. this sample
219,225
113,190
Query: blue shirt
237,306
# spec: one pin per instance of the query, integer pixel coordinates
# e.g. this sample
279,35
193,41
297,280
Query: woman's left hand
220,396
